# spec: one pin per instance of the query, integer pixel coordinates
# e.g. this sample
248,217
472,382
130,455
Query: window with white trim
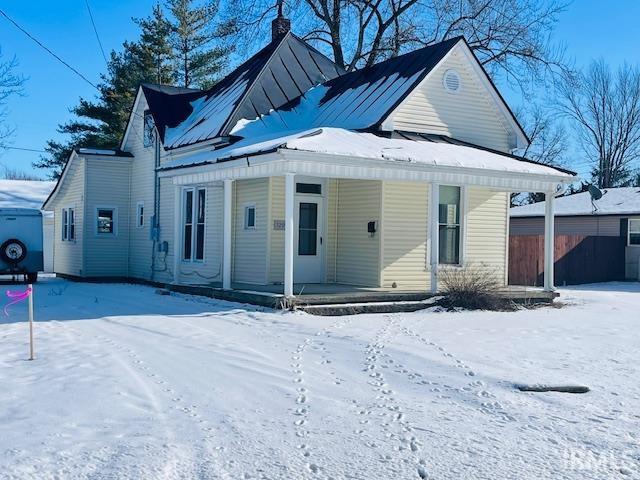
65,224
140,214
449,225
634,231
72,223
194,201
250,217
105,221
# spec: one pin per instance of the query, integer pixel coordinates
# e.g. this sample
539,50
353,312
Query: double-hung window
68,224
449,225
72,224
193,223
634,231
65,224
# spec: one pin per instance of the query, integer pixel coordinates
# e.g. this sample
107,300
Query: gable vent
451,81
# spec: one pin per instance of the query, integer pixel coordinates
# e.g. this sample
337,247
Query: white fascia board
336,166
56,189
521,138
131,116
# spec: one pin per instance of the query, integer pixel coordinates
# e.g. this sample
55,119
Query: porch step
339,309
358,297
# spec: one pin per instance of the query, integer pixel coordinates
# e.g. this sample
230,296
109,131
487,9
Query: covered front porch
394,235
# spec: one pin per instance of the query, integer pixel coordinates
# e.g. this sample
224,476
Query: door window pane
634,232
308,229
314,188
449,225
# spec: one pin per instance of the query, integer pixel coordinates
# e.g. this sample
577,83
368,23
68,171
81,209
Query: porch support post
434,212
289,189
177,232
549,237
226,233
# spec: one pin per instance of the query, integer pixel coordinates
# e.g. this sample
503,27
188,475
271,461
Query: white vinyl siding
68,255
250,245
404,231
107,187
469,114
486,239
358,261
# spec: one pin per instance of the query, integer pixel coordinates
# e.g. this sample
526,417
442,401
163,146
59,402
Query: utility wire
96,32
3,13
7,147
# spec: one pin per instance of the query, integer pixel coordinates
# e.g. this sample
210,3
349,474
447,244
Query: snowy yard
128,384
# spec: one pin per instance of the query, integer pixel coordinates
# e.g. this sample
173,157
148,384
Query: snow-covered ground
128,384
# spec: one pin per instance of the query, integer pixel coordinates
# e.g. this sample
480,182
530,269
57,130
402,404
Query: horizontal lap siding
250,250
107,186
486,240
331,235
358,261
605,226
468,114
163,271
209,271
68,256
404,231
142,186
276,241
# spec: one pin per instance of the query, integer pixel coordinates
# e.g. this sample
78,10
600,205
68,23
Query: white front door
309,239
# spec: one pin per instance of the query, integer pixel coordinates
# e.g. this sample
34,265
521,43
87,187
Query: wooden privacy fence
578,259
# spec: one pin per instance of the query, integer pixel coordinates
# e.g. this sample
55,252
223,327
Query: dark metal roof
274,76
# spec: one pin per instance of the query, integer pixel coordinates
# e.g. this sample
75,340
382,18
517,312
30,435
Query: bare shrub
475,287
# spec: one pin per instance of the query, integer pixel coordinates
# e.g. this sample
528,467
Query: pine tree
100,123
193,33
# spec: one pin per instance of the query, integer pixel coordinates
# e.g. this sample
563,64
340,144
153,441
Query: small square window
250,217
106,221
148,136
140,214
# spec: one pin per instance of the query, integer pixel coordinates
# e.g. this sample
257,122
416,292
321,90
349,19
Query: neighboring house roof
614,201
428,150
24,193
277,74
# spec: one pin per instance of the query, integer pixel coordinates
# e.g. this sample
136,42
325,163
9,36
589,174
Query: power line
96,32
2,12
7,147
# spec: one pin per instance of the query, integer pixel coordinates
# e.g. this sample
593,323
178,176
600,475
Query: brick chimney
280,26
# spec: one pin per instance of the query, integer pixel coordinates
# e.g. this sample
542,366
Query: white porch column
177,232
549,237
289,190
226,233
434,213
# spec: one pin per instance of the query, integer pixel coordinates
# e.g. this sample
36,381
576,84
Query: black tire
13,251
32,277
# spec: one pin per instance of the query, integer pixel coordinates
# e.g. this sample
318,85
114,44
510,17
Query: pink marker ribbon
16,297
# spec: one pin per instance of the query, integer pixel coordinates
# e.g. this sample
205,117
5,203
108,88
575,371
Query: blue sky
587,30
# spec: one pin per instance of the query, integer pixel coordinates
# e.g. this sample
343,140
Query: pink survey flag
16,297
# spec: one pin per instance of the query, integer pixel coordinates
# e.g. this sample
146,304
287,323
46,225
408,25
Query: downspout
155,227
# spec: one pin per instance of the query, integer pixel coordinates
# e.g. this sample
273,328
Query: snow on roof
622,201
24,194
339,141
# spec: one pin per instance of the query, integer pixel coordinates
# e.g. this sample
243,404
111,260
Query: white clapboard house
290,173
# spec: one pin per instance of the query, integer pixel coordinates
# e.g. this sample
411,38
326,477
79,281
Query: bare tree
548,145
511,36
605,109
10,84
10,173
